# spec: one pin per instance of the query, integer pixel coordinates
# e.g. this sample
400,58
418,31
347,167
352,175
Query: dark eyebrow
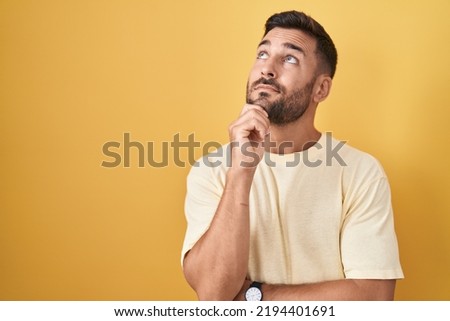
294,47
286,45
264,42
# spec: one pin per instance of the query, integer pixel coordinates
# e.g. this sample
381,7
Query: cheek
254,74
288,84
255,71
292,81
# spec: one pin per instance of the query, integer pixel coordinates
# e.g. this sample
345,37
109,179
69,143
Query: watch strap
256,284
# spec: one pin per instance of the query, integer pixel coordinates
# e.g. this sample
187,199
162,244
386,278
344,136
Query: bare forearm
332,291
340,290
217,265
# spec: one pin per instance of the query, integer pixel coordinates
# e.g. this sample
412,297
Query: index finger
258,108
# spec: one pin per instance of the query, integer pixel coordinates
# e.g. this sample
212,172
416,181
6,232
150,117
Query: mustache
270,82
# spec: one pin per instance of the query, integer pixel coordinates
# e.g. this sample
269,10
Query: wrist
245,156
267,291
254,292
241,174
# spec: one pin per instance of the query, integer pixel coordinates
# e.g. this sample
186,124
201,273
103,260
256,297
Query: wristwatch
254,292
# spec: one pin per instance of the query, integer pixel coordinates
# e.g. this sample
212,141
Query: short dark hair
326,51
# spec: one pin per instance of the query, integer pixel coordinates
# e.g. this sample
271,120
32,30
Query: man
296,214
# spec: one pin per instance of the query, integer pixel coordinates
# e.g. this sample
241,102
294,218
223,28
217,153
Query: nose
268,70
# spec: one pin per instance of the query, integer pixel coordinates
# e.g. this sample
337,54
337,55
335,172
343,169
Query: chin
264,102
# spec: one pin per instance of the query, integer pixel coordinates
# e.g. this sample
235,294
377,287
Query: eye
291,60
262,55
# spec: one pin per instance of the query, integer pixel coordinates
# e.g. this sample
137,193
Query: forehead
280,36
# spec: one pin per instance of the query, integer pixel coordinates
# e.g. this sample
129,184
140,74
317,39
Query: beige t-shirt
317,215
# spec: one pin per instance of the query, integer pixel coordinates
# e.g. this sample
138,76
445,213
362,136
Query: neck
293,137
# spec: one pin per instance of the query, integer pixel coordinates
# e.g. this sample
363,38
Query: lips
266,87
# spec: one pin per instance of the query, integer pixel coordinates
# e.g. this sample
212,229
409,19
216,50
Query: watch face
253,294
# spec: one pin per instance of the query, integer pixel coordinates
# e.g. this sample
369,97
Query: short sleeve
369,247
202,199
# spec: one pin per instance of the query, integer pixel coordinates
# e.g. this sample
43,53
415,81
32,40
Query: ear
322,88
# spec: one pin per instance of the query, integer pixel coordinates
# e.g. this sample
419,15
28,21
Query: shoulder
352,159
358,168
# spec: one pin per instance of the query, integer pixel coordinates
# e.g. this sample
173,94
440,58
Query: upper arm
202,199
369,247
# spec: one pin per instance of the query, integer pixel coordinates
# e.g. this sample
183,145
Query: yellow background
77,74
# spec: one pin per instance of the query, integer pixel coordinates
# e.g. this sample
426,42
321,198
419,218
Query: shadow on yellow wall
78,74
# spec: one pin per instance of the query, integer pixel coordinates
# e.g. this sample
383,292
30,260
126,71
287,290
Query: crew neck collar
312,151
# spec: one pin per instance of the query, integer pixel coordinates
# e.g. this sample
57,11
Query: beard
287,108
